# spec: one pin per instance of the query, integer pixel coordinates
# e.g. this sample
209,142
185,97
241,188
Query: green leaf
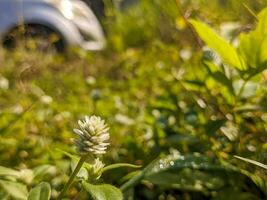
103,192
4,171
118,165
14,189
173,163
218,44
193,172
252,162
40,192
253,45
176,162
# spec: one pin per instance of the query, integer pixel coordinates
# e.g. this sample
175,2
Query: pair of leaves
36,173
169,167
253,45
19,191
251,54
10,182
14,189
103,191
227,52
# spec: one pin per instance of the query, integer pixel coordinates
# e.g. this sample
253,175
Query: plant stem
73,175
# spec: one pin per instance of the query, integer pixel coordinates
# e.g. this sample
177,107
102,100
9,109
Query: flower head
93,135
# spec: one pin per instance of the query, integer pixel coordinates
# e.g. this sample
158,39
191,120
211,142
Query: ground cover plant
173,108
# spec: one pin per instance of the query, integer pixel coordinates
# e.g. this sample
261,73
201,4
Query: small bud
97,168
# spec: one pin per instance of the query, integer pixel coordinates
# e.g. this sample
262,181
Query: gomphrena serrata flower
93,135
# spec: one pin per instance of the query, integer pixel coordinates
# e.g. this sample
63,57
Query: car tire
34,37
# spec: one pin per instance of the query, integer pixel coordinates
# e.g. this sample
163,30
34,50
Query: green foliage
253,44
14,189
40,192
103,191
252,162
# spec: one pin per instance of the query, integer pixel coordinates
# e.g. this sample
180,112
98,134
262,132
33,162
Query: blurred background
139,65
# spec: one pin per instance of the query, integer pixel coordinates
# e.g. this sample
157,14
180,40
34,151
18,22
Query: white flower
93,135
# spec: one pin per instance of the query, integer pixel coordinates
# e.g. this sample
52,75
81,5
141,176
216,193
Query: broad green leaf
173,163
40,192
193,172
253,45
252,162
103,192
177,162
118,165
218,44
14,189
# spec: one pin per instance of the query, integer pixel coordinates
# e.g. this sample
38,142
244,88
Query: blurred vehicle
60,23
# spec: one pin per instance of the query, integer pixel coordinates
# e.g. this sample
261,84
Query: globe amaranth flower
93,135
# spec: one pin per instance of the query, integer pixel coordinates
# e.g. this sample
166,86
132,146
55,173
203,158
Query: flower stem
73,175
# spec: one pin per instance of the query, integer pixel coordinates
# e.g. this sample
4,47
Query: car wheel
34,37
